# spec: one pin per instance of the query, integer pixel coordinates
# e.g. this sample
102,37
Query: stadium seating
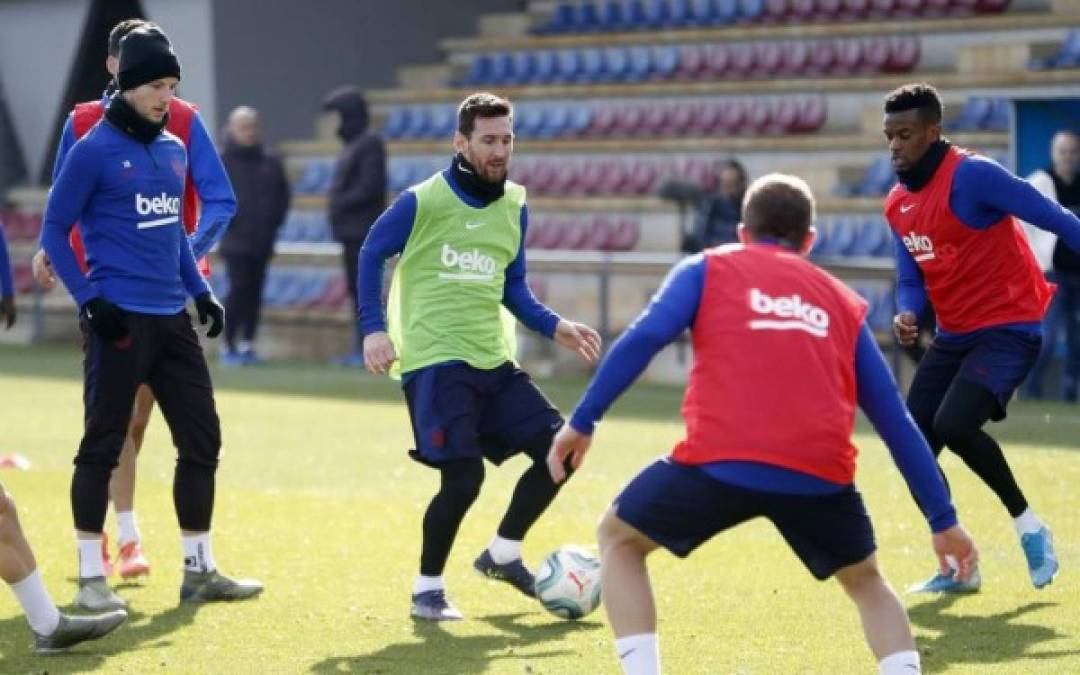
1066,57
20,225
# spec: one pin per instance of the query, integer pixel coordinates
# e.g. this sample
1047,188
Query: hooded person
358,191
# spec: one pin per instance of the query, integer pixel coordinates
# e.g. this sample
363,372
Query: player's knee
861,577
952,429
463,479
612,531
8,519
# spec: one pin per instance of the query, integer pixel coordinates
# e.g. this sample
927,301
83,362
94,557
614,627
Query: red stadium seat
717,61
566,179
603,121
803,10
656,120
642,177
705,119
601,232
534,232
336,293
776,11
849,56
691,62
854,9
521,173
627,234
830,10
882,7
991,6
628,120
903,54
811,114
784,118
768,58
963,7
553,235
681,118
822,57
730,114
591,177
743,59
543,178
577,236
910,7
615,177
876,54
795,57
758,117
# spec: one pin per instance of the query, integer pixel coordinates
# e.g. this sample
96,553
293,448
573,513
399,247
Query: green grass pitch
317,498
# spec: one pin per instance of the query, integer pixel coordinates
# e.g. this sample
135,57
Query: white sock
424,584
639,654
198,557
129,529
90,563
504,550
40,610
1027,523
900,663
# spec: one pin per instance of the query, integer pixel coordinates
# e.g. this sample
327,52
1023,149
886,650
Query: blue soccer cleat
1041,559
948,583
433,606
514,573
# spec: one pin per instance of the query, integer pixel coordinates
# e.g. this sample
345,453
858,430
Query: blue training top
672,311
217,202
7,286
388,237
983,192
127,197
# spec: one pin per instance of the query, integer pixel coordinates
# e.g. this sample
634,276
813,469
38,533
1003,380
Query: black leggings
460,485
957,423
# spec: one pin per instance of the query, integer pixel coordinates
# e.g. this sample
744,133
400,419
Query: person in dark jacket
358,191
262,193
719,213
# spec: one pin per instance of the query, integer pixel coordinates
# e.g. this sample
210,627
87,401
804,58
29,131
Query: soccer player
959,245
53,631
124,182
782,353
209,205
461,236
7,284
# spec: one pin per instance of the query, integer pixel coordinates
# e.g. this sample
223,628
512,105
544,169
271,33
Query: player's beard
476,183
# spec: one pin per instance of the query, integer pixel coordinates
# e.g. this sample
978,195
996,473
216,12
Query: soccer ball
568,582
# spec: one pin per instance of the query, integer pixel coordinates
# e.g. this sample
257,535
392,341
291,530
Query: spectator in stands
7,285
262,194
720,213
1060,182
357,193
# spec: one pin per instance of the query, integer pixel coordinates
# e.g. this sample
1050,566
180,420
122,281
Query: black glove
209,307
105,318
7,311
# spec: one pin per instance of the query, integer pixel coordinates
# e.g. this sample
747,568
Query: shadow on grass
441,652
973,639
18,656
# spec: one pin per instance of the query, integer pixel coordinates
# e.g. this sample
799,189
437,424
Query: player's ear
743,234
808,241
460,143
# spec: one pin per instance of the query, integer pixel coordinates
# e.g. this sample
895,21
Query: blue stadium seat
679,14
587,19
726,11
873,236
974,115
641,64
842,235
612,16
555,122
529,118
655,13
751,10
1000,115
524,69
479,70
879,178
562,20
443,120
580,118
401,175
502,69
546,66
617,64
396,122
592,65
666,61
569,65
419,122
701,12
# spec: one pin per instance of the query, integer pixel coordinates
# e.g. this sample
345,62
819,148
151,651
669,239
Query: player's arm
7,285
910,294
669,314
76,182
206,305
880,400
519,298
216,197
40,265
994,191
387,238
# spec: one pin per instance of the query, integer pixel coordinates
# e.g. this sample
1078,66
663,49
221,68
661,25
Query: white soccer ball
568,582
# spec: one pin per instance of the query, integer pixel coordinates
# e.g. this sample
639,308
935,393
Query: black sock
460,484
534,492
958,424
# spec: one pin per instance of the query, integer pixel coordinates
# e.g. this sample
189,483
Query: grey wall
189,24
282,59
38,39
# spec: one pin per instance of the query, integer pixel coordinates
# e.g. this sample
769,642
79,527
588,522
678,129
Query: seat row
606,16
618,176
982,114
296,287
305,225
587,233
688,117
706,61
1066,57
880,176
853,236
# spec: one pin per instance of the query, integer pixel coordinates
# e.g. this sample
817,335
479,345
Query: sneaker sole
506,581
131,573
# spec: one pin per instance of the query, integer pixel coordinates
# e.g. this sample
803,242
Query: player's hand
906,327
7,311
578,338
955,543
105,318
569,444
43,271
379,352
210,309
